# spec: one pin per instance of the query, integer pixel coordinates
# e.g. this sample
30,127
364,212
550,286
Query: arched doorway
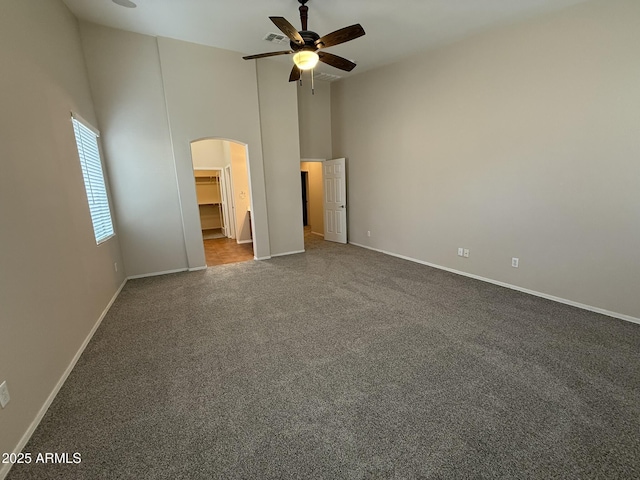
224,201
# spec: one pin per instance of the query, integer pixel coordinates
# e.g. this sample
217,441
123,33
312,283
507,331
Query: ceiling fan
306,45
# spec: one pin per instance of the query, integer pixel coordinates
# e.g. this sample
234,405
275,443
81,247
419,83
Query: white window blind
89,153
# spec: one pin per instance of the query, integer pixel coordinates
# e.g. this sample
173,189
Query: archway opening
223,193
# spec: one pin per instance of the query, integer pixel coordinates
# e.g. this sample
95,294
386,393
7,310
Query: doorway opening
324,197
224,200
312,200
304,177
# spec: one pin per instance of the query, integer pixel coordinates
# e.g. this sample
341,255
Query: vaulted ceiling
394,28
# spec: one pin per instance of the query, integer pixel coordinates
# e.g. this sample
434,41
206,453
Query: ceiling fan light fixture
306,59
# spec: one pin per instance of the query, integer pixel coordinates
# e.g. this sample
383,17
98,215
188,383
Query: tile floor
219,251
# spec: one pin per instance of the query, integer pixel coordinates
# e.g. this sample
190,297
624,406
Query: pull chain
313,90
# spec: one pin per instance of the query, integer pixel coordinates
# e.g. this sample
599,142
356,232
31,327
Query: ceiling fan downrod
304,13
304,17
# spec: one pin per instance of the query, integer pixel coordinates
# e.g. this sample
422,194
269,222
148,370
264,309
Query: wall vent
276,38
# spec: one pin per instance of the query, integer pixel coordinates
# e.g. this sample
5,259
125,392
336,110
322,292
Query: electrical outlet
460,252
4,394
514,262
466,253
368,233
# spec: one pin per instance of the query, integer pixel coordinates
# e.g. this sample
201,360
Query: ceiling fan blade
268,54
288,29
340,36
336,61
295,74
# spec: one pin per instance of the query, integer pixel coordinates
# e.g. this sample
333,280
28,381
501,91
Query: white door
335,200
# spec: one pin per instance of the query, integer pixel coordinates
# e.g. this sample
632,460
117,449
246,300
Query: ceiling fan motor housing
309,38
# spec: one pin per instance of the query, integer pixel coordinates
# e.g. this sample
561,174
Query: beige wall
241,193
314,118
315,196
209,153
162,94
520,142
281,148
212,93
194,92
54,281
124,71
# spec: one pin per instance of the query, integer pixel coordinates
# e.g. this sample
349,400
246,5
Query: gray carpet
345,363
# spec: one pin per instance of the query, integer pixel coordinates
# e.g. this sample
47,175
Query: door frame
315,160
192,231
231,207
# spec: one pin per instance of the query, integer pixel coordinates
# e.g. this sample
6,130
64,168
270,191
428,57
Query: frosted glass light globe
306,59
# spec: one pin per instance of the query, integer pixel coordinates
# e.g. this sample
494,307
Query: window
89,153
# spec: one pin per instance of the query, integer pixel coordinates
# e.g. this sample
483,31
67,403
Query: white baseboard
583,306
166,272
286,253
240,242
197,269
278,255
4,470
319,234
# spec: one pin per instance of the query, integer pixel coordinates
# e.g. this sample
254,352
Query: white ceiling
394,28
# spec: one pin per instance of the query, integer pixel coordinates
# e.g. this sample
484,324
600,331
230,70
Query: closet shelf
209,199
